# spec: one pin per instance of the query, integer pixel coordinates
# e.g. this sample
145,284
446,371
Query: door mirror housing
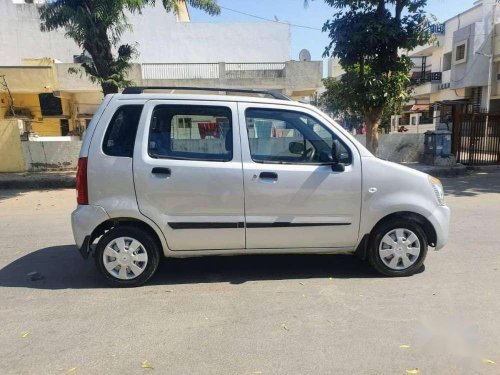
326,157
332,159
296,148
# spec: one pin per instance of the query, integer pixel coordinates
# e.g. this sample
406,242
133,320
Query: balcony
419,78
294,78
425,83
428,49
29,79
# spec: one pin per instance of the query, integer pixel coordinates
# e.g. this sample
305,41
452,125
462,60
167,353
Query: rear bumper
83,222
440,219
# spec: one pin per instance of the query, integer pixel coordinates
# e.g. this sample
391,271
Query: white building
172,52
461,67
161,37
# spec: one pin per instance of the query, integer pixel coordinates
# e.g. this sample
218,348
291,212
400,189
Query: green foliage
357,93
97,27
367,37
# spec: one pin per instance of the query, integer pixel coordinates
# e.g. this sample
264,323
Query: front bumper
440,219
83,222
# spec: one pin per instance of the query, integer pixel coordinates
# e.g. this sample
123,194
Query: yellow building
32,93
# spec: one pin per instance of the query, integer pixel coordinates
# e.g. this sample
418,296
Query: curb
37,182
437,171
449,172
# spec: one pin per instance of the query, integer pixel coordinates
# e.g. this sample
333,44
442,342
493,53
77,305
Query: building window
447,61
64,127
460,52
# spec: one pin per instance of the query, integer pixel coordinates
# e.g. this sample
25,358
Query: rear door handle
162,171
268,175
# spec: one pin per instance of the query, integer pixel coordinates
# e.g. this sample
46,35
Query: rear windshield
120,135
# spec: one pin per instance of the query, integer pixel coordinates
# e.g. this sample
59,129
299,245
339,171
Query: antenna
305,55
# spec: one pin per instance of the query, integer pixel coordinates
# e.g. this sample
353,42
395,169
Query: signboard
437,28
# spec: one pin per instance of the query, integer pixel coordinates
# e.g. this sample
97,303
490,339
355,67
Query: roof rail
141,89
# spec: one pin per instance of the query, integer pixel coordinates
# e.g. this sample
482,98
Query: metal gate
476,138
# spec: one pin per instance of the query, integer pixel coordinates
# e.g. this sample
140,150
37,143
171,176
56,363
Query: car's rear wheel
127,256
398,248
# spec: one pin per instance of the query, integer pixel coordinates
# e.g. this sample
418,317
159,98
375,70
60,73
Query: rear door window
191,132
119,139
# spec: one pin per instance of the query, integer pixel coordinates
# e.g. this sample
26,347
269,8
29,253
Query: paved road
250,315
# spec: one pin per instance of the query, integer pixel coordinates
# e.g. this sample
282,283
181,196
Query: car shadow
62,267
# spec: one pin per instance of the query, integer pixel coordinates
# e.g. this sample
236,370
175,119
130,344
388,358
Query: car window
191,132
283,136
119,139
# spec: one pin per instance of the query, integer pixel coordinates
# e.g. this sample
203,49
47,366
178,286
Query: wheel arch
427,227
109,224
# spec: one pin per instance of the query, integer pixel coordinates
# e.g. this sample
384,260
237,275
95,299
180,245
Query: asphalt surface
302,314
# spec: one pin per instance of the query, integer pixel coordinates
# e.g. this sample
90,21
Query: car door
293,200
188,174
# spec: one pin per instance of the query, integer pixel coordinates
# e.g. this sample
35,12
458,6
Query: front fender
389,188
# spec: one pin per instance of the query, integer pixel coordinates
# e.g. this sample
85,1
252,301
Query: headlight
437,187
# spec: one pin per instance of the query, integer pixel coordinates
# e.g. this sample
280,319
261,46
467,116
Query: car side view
192,174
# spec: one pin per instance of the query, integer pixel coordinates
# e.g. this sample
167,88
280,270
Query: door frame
261,222
142,156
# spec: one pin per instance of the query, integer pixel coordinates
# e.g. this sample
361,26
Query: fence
250,70
213,71
46,156
180,71
476,139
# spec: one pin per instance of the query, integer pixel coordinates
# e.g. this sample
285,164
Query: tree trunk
108,89
100,51
373,117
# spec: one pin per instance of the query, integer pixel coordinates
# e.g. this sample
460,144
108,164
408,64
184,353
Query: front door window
289,137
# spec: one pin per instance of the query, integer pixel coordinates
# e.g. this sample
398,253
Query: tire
395,255
139,259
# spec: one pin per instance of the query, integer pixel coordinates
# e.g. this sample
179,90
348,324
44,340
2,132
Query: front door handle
162,171
268,176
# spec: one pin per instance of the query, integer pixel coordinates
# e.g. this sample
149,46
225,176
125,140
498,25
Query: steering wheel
309,154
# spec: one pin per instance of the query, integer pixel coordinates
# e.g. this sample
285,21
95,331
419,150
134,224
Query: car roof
208,97
211,97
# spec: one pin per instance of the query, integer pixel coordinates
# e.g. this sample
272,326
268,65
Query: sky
294,12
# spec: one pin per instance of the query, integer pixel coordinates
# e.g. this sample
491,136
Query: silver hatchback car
184,175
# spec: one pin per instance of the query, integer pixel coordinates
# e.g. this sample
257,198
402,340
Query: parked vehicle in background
182,175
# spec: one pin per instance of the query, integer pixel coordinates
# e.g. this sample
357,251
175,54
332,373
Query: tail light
81,182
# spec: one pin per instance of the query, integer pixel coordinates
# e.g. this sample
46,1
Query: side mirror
325,157
336,165
296,148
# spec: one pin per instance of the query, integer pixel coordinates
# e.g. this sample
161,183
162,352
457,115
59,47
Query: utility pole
3,82
492,53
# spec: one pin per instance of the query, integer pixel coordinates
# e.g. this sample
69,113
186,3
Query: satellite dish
305,55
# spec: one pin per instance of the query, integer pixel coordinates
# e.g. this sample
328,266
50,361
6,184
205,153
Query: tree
97,26
367,37
333,101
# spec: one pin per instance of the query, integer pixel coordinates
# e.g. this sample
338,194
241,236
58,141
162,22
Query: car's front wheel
127,256
398,248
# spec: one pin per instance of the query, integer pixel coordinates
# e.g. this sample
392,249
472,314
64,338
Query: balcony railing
169,71
419,78
180,71
250,70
